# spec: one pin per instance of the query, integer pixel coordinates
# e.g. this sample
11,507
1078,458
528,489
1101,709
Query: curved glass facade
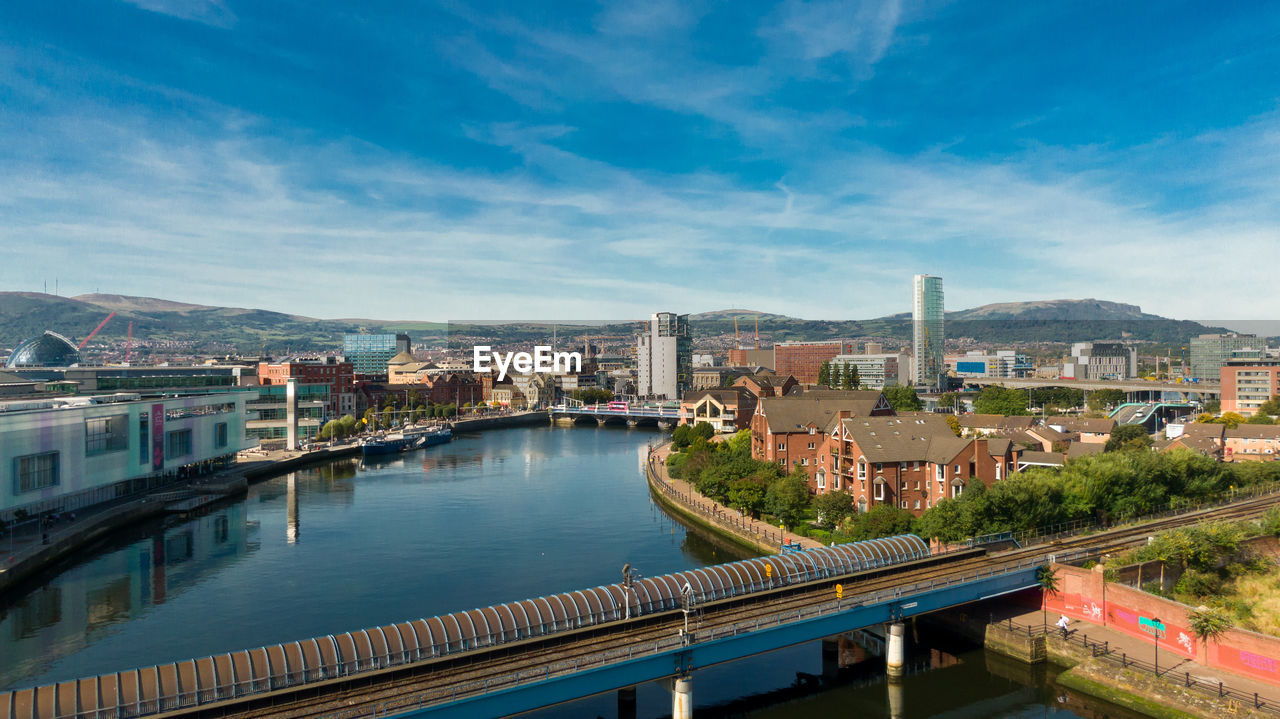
48,350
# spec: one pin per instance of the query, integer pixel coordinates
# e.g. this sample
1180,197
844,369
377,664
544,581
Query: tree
1047,578
997,399
680,437
954,423
329,431
1128,436
882,520
347,424
1208,625
833,508
1100,399
849,379
788,497
824,374
903,398
703,430
748,494
1270,408
949,400
1260,418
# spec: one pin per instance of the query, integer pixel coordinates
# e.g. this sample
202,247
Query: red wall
1083,595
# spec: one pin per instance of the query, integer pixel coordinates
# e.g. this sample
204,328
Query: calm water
510,514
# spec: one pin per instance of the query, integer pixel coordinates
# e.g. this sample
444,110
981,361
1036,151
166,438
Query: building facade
928,332
1001,363
664,357
1101,360
743,357
1246,384
64,454
877,371
369,354
726,410
338,374
1208,353
803,360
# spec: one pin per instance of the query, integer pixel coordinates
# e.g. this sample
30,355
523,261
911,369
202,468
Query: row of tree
726,473
839,376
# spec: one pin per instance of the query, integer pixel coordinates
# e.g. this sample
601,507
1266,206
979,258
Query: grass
1120,697
1255,598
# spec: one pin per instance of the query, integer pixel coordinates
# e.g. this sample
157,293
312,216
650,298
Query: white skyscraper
928,332
664,357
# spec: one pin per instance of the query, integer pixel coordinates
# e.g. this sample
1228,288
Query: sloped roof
794,413
999,421
1202,444
1211,430
1083,424
725,396
1084,449
1254,431
402,358
904,439
1047,433
1052,459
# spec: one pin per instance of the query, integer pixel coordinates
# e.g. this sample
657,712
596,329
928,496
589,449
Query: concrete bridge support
830,658
897,701
682,698
600,421
895,650
627,703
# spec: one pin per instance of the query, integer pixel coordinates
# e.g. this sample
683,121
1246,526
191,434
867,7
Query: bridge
1152,415
631,413
524,655
1136,387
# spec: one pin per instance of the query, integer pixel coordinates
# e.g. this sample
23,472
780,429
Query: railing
621,654
1104,650
738,523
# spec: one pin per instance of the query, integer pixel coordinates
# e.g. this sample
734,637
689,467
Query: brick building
1247,384
727,410
338,375
788,430
803,360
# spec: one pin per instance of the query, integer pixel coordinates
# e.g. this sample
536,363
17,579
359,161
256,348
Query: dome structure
47,350
402,358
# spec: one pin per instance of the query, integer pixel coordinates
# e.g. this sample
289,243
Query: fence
1104,650
749,529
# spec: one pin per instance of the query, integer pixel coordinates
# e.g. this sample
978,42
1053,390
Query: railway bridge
514,657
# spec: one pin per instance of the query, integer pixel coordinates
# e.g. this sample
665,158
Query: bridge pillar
599,421
682,698
830,657
895,650
627,703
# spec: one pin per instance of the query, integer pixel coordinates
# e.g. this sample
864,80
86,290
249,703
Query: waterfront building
803,360
1101,360
787,430
928,332
369,353
664,361
63,454
1246,384
726,410
876,371
339,375
267,413
45,350
1210,352
145,378
911,462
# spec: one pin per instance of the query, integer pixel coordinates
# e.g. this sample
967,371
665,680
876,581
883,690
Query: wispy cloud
209,12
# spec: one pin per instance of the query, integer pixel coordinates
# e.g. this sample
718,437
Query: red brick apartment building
911,462
789,430
802,360
314,370
1245,385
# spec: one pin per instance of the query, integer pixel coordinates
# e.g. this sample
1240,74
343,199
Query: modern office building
1247,383
1001,363
1101,360
339,375
144,378
63,454
928,332
369,354
267,413
1210,352
803,360
876,371
664,357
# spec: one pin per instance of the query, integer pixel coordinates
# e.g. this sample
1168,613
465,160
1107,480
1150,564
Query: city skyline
441,162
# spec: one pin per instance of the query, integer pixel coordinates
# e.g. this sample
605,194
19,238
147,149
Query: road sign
768,570
839,591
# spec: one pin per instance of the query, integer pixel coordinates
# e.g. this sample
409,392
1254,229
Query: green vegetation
1128,437
1208,624
1101,399
1052,399
337,428
998,399
591,396
1105,487
903,398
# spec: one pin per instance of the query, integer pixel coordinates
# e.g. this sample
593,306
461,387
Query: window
804,461
822,480
106,434
879,466
144,444
999,471
862,470
837,482
904,504
941,471
917,504
917,467
879,491
902,467
220,435
957,472
811,445
35,471
917,484
782,445
957,489
177,444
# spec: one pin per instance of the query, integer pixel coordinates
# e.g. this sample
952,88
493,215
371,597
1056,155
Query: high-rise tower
927,332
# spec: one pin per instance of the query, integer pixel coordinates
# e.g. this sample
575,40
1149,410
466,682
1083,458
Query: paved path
728,518
1173,668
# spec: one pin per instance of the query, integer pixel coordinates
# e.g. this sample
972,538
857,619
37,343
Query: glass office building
928,334
369,354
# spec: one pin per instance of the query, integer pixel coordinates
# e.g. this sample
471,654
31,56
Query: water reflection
89,601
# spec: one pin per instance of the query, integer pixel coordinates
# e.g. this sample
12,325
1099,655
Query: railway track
361,696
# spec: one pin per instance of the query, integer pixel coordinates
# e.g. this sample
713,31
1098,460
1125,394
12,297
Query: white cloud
209,12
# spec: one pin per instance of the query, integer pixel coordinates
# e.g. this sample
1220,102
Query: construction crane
101,324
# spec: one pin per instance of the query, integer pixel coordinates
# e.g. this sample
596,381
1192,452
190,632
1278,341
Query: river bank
26,556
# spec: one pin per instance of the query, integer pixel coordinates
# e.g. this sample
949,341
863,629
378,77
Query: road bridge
630,413
1139,388
523,655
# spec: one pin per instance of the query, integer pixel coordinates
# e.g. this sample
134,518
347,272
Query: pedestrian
1062,625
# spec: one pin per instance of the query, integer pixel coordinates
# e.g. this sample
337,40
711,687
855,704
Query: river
487,518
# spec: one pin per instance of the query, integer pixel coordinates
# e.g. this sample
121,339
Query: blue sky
404,160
